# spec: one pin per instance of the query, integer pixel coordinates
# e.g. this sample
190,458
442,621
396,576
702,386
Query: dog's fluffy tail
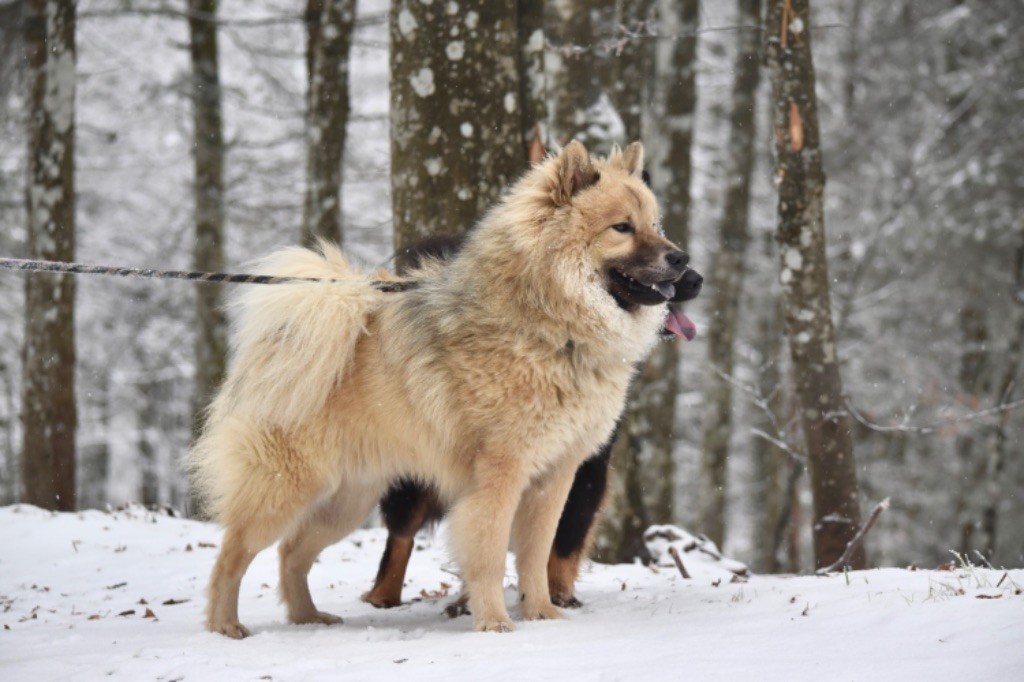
291,344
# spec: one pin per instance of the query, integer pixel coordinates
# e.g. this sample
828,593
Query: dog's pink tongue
680,325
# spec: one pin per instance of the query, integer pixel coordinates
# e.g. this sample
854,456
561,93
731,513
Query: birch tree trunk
211,338
805,284
727,274
49,415
329,30
456,138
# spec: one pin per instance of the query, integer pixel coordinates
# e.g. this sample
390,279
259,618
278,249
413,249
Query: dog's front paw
316,618
542,611
497,624
228,628
566,601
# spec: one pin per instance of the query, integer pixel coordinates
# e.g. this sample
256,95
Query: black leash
23,265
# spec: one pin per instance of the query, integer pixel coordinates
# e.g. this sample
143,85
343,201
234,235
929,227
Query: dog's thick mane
522,239
295,344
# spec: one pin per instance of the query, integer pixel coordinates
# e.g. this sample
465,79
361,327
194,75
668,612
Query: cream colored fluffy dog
492,380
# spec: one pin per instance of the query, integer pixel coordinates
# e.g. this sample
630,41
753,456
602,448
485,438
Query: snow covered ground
119,595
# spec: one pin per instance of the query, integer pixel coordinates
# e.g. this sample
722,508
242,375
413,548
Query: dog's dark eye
624,228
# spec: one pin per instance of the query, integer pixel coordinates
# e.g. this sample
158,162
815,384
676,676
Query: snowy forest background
923,146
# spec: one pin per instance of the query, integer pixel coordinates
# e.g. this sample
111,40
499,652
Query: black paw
566,602
457,608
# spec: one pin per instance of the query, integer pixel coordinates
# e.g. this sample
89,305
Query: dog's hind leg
532,534
326,524
406,507
240,547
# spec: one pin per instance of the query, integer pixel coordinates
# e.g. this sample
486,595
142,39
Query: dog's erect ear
575,172
633,159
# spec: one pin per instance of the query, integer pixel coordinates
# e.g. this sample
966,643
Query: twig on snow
679,562
853,544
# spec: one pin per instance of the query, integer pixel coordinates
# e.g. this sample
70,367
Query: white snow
423,82
455,50
406,22
65,578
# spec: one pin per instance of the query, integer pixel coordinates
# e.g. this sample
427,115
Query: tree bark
1002,440
533,84
805,284
643,456
329,39
456,138
575,76
211,337
726,272
633,66
769,461
49,416
94,455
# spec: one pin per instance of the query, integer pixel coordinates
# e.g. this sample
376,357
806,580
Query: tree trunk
329,30
48,409
1002,440
211,338
9,472
769,461
575,77
633,66
456,138
643,456
805,285
94,456
148,428
533,84
727,274
677,101
974,384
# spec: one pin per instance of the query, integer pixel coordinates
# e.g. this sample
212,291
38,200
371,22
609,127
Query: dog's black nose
677,259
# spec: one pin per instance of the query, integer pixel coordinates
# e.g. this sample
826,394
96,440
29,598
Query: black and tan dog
408,506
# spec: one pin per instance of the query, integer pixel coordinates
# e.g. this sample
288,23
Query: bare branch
930,427
857,540
798,457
